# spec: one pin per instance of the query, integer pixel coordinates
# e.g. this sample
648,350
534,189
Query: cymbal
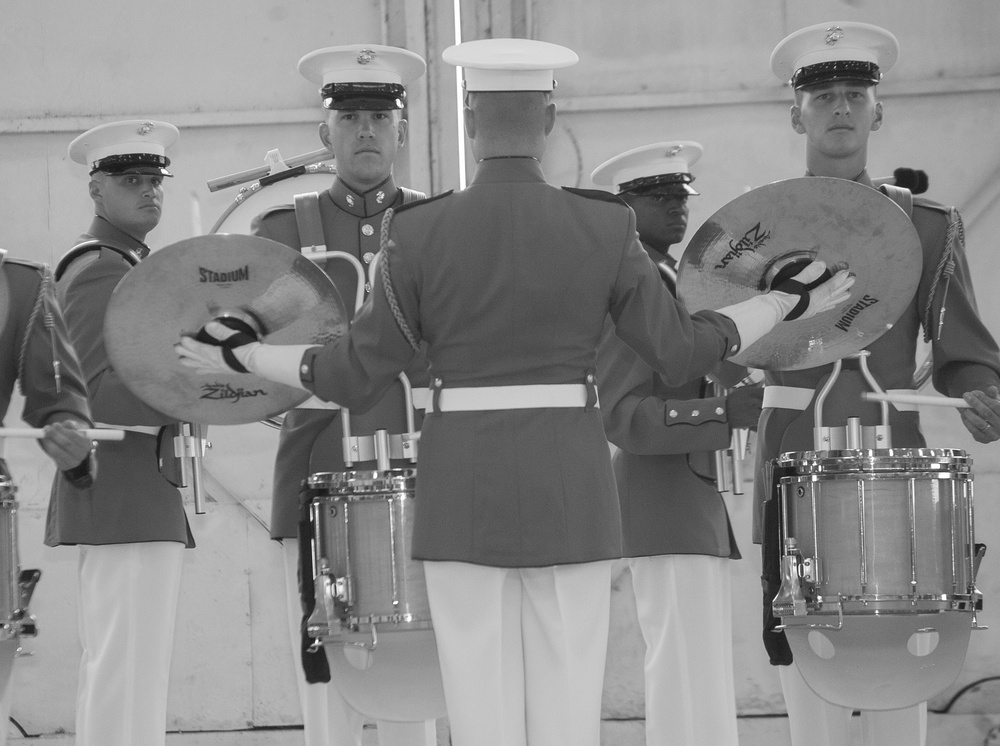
739,251
178,289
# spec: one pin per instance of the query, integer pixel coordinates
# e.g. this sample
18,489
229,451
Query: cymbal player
834,69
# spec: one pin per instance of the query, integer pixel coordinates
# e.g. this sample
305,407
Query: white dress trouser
127,607
522,651
685,613
815,722
327,719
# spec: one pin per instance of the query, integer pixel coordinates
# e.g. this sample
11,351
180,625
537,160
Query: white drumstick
934,401
38,433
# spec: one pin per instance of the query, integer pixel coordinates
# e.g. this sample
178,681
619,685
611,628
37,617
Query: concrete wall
651,70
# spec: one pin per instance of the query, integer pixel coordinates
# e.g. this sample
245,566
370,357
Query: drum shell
362,533
892,530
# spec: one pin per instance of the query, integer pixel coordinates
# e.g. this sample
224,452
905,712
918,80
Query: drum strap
900,195
310,223
87,247
775,643
315,665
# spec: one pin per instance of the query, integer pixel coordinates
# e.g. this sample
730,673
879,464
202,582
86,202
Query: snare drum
371,597
882,531
878,572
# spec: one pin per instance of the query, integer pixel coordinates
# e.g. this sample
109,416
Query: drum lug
790,592
812,570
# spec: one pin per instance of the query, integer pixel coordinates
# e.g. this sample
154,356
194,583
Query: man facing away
834,69
130,524
675,529
509,283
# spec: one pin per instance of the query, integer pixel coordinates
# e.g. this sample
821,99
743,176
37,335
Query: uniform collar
104,230
364,204
500,170
862,178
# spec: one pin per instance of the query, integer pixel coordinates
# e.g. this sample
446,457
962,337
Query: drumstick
38,433
934,401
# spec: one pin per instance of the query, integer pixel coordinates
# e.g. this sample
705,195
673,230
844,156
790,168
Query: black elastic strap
245,334
784,282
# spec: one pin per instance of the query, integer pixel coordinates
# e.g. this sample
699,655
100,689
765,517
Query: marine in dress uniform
37,353
363,90
675,529
130,524
508,283
834,68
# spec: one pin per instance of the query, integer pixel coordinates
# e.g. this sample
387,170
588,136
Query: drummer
363,93
834,70
509,283
130,524
36,351
675,528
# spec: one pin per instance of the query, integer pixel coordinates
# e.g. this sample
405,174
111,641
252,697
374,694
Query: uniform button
590,378
368,257
695,412
304,369
734,348
672,413
719,410
367,230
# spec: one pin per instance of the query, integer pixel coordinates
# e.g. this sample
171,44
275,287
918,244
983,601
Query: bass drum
260,195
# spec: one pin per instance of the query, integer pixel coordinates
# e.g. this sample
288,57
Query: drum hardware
189,448
829,438
179,289
275,167
740,249
729,461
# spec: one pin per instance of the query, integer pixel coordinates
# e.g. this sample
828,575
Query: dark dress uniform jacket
509,282
662,431
311,440
33,339
130,500
965,358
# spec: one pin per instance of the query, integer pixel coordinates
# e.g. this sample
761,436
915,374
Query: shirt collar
364,204
500,170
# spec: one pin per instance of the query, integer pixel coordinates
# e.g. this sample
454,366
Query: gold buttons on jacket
673,413
368,257
367,230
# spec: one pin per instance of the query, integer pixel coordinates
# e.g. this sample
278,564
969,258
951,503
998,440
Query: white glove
757,316
215,358
802,301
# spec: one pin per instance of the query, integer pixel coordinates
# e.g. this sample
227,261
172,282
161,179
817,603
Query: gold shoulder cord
390,294
944,270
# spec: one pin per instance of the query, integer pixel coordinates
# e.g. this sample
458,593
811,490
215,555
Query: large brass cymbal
181,287
738,252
